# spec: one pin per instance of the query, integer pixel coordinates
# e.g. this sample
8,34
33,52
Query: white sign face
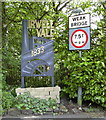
79,38
79,21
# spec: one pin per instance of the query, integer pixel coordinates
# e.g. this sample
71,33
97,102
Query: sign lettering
79,32
37,51
79,21
43,28
79,38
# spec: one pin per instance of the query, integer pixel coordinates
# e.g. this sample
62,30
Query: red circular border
84,43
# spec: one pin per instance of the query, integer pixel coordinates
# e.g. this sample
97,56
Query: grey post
80,96
52,81
25,41
22,82
79,100
25,44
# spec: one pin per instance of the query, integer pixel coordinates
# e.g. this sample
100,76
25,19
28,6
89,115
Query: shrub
7,100
37,105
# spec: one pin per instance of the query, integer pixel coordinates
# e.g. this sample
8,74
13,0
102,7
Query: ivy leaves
37,105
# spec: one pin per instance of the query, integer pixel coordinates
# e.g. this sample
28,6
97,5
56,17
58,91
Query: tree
12,16
88,71
70,70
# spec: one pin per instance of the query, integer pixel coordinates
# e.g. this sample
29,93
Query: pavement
84,116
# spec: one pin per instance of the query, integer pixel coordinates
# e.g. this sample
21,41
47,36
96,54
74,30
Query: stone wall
42,92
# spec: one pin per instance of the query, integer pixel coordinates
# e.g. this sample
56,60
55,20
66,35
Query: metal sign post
79,99
79,38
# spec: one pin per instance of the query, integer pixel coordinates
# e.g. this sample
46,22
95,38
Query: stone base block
42,92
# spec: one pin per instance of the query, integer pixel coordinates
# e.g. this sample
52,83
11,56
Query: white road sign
79,39
78,21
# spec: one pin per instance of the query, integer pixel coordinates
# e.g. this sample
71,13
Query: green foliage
7,100
37,105
70,70
87,71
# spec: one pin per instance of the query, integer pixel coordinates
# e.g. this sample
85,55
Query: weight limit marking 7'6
79,38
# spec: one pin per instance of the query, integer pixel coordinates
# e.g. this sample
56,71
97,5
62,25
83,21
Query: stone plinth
42,92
